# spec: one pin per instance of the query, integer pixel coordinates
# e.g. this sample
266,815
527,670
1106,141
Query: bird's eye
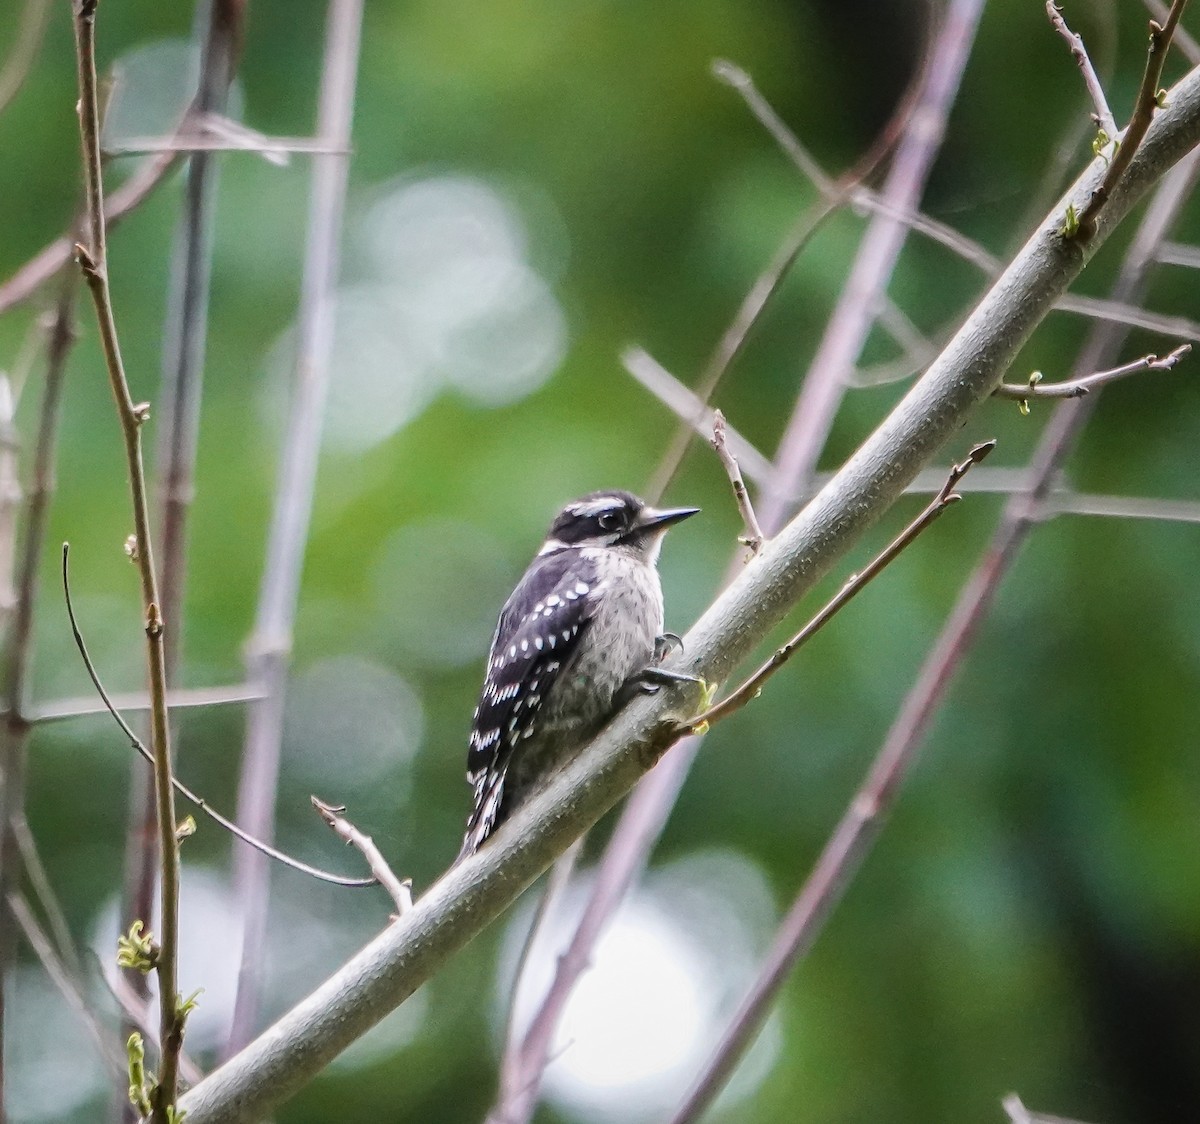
610,520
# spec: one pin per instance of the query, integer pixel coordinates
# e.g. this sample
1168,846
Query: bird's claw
665,644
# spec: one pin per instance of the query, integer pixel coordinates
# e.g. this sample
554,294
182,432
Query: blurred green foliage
1030,919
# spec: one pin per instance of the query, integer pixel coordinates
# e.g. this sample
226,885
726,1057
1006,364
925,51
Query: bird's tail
485,811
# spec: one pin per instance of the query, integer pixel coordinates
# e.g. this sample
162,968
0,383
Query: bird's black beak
662,518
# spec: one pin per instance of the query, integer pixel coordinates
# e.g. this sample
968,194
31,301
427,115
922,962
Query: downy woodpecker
585,622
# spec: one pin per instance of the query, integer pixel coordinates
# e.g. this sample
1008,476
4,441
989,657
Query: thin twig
401,891
1122,312
1077,388
861,197
1122,507
39,269
917,347
690,408
18,644
133,1007
522,1068
1143,113
179,786
1091,79
268,650
752,687
1059,500
10,495
754,536
557,883
93,260
850,322
274,150
697,418
181,698
66,981
964,247
835,194
24,51
1019,1114
39,880
1180,253
1183,40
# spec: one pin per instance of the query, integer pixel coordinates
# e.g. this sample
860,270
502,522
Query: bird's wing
539,631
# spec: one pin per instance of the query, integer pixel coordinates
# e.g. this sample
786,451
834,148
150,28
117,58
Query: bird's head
614,519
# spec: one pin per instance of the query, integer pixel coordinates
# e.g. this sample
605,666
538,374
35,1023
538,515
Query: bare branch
754,536
918,348
752,687
1187,45
474,892
513,1063
1077,388
18,643
851,320
44,265
687,406
1084,228
183,352
692,408
401,892
1122,507
1180,253
20,60
268,649
182,789
1122,312
1103,115
218,133
182,698
1059,500
93,260
66,982
834,195
39,880
861,197
863,820
522,1066
968,250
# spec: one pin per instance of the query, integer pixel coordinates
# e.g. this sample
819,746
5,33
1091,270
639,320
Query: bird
579,635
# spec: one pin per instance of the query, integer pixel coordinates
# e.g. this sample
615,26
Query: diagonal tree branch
922,128
475,892
864,818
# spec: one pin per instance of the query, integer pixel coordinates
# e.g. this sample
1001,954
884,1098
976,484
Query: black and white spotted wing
538,633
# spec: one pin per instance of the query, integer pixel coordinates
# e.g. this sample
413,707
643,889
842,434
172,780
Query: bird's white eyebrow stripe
596,507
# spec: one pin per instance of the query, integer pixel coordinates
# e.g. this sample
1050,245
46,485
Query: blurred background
534,187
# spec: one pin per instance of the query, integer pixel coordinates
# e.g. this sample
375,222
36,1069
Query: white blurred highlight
445,299
663,981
